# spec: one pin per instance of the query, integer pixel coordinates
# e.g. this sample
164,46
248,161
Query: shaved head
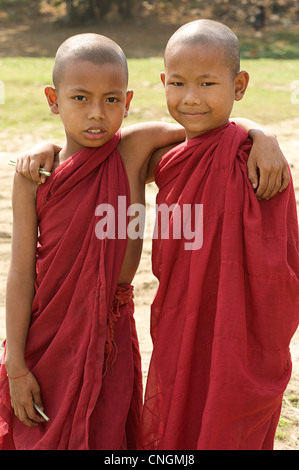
207,33
88,47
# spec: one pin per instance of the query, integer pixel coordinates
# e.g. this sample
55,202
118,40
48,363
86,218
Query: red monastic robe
93,400
224,313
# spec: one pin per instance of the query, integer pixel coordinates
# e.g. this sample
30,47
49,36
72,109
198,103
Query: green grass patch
274,43
283,428
268,97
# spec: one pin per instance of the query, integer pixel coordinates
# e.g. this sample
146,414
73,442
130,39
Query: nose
96,111
192,96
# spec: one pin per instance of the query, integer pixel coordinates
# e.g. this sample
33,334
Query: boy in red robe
71,345
227,303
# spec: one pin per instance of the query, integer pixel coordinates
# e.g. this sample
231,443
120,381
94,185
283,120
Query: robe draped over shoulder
76,281
226,309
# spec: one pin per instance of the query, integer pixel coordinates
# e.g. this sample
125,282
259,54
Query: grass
275,43
267,100
25,108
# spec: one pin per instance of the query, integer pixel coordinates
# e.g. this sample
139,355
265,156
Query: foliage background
279,11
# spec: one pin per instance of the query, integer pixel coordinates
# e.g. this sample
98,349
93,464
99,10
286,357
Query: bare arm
154,135
139,141
142,139
154,160
41,155
267,168
20,292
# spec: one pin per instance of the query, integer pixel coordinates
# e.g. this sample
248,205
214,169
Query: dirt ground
28,40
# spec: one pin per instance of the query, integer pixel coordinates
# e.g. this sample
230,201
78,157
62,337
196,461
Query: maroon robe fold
76,281
224,314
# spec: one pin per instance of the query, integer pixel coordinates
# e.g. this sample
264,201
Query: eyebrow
205,75
83,90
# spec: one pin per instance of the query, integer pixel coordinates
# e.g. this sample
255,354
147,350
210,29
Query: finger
36,397
47,165
253,174
22,415
22,166
286,178
281,183
37,400
29,168
263,184
19,164
273,185
33,169
276,187
33,415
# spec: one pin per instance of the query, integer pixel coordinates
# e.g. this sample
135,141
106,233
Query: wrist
260,133
15,366
18,376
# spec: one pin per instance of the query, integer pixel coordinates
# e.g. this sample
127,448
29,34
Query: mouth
95,133
193,115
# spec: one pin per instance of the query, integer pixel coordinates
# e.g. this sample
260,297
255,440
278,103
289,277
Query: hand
41,155
23,391
267,168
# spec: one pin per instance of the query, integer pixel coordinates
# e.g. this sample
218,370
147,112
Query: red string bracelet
17,376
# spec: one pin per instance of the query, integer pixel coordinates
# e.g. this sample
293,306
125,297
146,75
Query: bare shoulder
139,141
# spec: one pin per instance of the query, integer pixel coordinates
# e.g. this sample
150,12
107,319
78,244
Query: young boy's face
200,89
92,101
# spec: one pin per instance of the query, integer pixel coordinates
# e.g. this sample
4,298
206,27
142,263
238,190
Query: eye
177,84
80,98
112,99
207,84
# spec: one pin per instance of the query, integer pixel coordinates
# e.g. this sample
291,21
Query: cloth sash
224,314
116,417
122,296
76,280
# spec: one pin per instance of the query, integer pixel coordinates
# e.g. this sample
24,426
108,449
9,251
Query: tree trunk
125,8
104,7
70,10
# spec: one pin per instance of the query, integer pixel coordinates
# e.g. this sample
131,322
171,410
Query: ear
162,76
241,82
129,97
51,95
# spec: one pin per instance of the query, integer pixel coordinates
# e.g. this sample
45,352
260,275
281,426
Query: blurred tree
91,9
125,7
260,18
70,10
229,11
20,8
104,6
